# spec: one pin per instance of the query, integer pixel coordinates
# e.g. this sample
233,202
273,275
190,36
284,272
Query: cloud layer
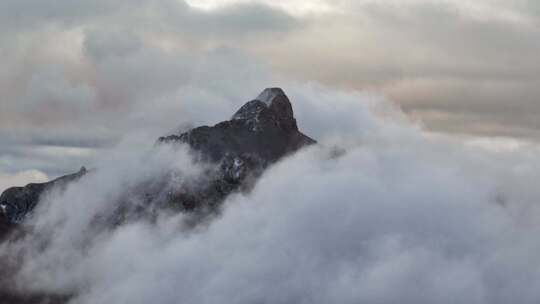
399,217
402,217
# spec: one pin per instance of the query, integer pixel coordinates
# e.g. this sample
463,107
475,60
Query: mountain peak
264,127
270,106
269,94
275,99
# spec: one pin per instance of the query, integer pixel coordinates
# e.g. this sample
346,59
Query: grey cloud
51,73
107,74
27,14
528,7
380,44
240,19
101,43
492,108
234,21
237,19
94,79
386,44
484,124
142,89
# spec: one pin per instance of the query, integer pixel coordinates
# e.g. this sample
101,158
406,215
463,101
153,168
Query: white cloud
400,217
300,8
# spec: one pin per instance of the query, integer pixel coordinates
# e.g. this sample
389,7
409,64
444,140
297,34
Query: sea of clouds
378,212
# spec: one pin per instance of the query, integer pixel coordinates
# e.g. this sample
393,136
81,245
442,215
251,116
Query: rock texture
264,127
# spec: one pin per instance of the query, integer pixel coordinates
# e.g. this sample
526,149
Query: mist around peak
377,211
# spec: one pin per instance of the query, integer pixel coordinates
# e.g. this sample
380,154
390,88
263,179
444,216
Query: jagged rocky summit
264,128
261,132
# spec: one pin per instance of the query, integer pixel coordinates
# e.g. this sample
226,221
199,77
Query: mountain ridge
259,133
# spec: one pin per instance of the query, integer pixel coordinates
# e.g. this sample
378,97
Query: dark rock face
264,128
258,134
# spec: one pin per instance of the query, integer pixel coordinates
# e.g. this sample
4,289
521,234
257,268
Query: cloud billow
400,217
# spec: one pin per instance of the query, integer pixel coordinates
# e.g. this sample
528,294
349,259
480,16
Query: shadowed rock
264,127
261,132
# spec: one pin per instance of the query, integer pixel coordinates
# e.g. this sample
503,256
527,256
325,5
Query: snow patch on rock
268,95
237,168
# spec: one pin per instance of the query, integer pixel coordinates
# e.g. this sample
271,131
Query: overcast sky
78,76
432,106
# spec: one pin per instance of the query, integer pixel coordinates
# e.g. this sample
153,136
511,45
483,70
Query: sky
422,188
78,76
